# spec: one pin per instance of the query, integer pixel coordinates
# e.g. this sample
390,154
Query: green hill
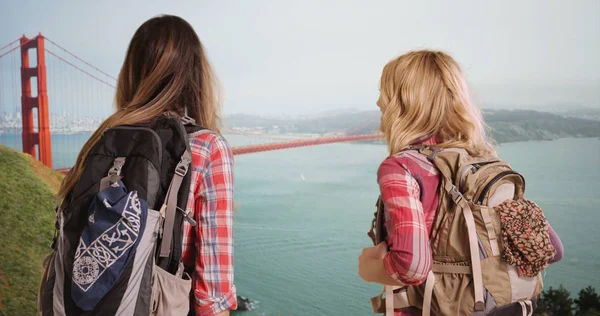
27,191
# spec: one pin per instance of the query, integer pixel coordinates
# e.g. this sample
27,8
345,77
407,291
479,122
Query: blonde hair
165,69
424,94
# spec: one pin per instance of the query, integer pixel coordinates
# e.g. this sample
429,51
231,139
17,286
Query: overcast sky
290,57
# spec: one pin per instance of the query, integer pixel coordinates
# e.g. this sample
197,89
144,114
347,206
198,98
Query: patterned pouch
525,237
116,220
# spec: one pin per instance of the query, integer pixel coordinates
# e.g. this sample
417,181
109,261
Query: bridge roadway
243,150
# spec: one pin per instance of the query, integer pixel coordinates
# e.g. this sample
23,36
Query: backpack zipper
126,127
494,180
473,168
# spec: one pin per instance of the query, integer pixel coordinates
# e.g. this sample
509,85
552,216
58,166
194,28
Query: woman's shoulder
207,142
410,162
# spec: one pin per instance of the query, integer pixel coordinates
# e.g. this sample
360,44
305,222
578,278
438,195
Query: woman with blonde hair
424,103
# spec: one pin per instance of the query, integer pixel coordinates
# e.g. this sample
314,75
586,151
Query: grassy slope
27,191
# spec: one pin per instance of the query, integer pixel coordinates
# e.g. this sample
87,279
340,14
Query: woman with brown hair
166,70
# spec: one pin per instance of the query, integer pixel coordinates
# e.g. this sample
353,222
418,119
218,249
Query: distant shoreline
503,142
296,136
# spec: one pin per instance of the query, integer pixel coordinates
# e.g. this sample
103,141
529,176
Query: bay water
302,217
304,213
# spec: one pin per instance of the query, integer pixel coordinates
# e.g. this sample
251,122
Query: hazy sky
276,57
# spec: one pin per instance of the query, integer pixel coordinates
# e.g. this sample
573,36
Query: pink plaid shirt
408,184
208,247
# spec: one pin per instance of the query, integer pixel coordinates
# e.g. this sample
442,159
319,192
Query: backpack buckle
434,152
183,165
186,216
187,120
456,195
117,166
181,169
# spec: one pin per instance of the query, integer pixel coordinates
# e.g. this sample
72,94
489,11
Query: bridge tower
31,136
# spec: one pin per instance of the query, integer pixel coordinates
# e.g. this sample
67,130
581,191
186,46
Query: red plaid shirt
408,184
208,247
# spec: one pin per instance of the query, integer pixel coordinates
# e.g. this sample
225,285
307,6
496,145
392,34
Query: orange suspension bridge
51,97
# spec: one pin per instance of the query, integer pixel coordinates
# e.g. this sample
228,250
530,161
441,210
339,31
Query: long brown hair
165,69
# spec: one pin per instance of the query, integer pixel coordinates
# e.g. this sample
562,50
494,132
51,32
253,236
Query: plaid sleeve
212,238
409,259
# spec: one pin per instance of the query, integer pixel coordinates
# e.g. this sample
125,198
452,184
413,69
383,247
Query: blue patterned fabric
116,220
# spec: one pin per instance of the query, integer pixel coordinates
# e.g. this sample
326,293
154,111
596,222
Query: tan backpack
468,275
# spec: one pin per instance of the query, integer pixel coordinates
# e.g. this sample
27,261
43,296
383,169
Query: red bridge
62,98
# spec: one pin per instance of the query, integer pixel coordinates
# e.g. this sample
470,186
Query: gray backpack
118,241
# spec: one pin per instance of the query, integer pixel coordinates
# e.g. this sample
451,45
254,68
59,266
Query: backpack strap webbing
169,207
526,311
428,295
475,260
376,232
185,120
432,156
390,304
457,197
400,300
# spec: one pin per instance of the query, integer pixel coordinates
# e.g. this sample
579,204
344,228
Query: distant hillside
581,112
27,189
562,109
507,125
318,125
519,125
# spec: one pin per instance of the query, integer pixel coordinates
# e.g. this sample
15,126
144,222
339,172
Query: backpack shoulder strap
169,207
190,125
445,162
448,162
376,233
